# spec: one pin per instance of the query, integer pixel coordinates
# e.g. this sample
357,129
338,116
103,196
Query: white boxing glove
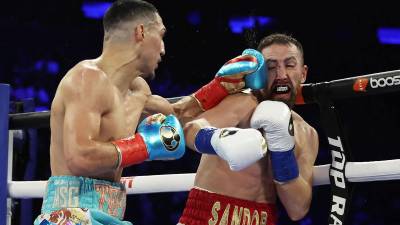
275,118
239,147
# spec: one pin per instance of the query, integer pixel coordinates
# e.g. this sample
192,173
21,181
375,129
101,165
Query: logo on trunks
170,137
73,215
385,81
111,200
227,132
235,215
66,197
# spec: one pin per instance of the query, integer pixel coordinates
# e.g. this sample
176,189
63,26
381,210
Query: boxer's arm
157,104
228,113
296,194
87,97
244,71
186,109
154,103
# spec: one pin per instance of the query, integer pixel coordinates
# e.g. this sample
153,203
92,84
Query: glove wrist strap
284,166
131,151
203,140
210,94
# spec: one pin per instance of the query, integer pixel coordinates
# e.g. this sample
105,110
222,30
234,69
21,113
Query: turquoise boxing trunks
80,200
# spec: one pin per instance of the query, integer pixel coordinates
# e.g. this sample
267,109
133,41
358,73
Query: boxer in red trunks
233,186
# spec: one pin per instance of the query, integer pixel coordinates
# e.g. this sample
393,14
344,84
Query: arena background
41,40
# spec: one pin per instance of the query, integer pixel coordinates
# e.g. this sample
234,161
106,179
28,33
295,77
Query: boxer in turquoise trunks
95,114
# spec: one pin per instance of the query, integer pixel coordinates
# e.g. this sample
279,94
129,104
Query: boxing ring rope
355,172
372,84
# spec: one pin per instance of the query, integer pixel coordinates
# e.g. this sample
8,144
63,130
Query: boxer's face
153,46
286,72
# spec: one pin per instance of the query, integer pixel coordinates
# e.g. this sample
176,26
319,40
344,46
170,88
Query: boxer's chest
123,117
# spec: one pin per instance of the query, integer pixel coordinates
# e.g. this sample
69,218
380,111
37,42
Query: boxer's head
136,29
284,60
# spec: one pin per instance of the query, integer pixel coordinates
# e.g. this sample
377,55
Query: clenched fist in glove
238,147
244,71
158,137
275,118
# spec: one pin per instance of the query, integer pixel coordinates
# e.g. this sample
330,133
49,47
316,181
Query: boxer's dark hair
279,38
128,10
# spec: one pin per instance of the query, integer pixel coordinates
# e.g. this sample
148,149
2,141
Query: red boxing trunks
204,208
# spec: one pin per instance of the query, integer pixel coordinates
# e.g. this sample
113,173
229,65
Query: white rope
355,172
373,171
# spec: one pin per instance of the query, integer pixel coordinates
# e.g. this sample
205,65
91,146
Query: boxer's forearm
296,194
295,197
191,129
186,109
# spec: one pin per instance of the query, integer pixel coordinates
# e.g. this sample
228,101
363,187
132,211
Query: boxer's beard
280,88
290,102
